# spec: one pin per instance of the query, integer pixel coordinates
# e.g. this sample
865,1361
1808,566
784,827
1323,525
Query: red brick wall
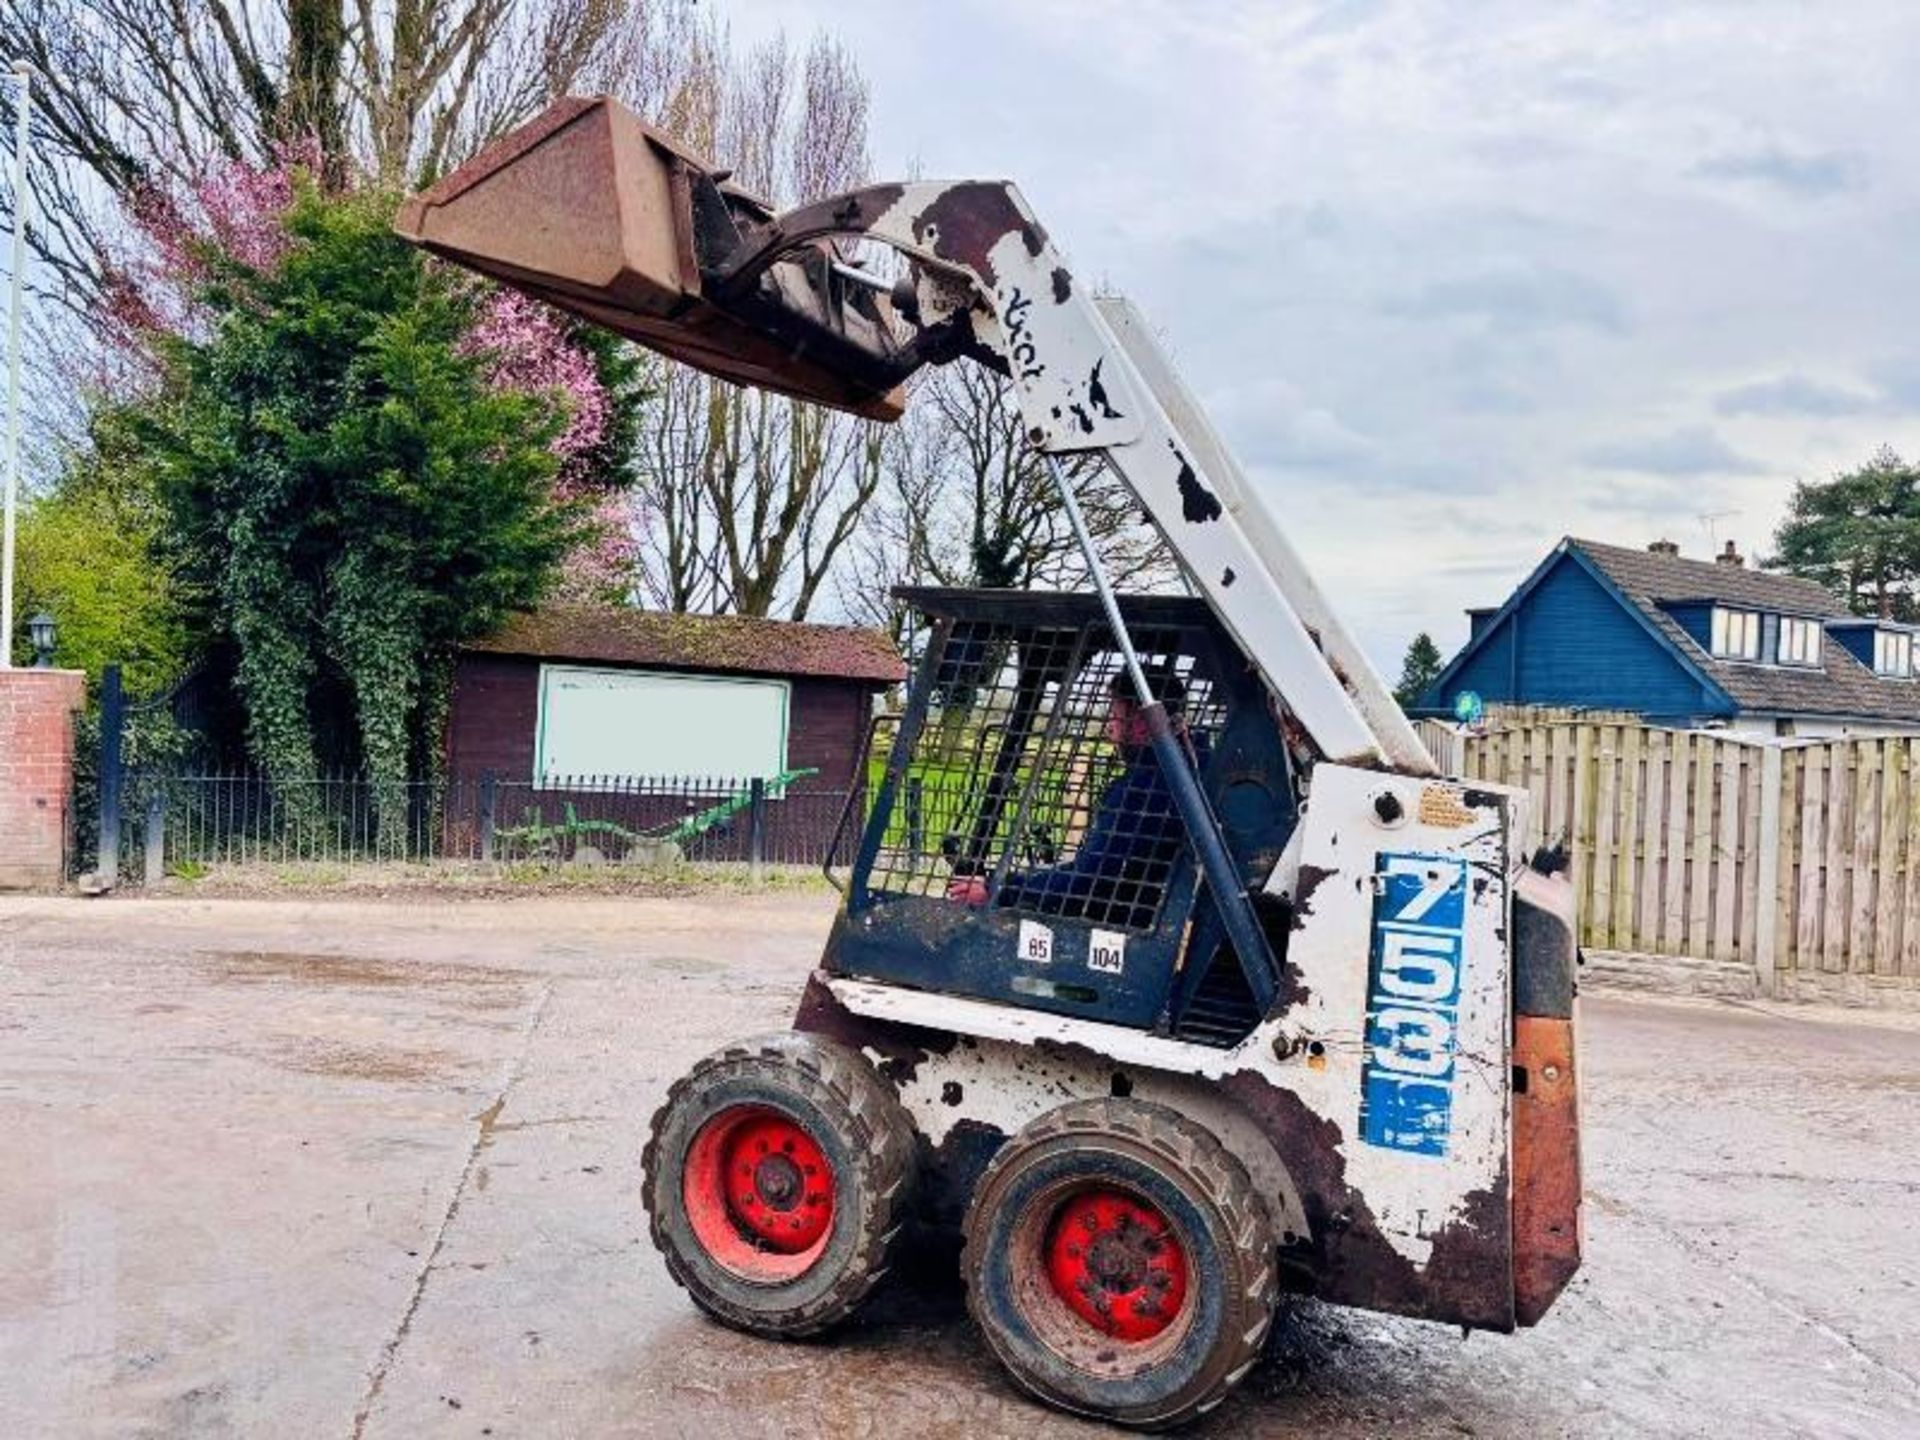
36,773
496,707
826,725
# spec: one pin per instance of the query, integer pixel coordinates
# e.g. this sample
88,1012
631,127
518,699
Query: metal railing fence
180,823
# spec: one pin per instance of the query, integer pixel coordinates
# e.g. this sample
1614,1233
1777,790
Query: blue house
1686,642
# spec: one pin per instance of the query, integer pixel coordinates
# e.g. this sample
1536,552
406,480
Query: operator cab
1022,844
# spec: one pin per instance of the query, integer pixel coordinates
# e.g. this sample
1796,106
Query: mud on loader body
1169,971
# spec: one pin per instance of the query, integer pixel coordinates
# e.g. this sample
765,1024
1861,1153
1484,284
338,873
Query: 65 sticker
1413,1002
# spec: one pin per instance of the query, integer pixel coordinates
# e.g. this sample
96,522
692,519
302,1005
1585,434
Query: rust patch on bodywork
1276,917
945,1173
1345,1257
1546,1165
1198,505
1467,1279
968,220
1310,879
901,1047
950,1170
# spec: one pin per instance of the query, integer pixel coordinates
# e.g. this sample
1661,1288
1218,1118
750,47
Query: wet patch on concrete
686,964
388,1064
482,987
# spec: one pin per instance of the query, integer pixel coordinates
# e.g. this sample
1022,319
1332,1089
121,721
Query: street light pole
21,199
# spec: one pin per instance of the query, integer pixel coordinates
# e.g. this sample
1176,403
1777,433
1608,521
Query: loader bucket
589,209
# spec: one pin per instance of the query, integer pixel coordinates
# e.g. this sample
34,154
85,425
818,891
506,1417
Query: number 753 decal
1413,1002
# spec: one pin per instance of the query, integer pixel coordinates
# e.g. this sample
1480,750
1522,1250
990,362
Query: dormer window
1799,641
1736,634
1893,654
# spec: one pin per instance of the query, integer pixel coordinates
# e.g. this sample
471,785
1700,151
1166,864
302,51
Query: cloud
1491,245
1276,424
1796,395
1899,382
1812,174
1493,398
1340,18
1520,298
1691,450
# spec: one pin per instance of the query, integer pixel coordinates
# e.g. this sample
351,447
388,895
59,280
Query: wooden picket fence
1797,858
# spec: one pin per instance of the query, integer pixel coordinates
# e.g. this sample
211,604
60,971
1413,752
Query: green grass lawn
952,766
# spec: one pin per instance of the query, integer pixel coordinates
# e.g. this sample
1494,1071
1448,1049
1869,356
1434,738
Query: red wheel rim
1114,1261
759,1193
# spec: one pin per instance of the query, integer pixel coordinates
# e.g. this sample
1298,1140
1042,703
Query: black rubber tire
1211,1206
856,1118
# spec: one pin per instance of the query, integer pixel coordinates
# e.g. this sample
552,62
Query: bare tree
749,500
970,503
431,81
149,92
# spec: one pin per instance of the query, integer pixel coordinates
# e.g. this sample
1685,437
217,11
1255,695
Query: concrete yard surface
345,1169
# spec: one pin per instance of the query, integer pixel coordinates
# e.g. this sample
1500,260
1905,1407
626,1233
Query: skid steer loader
1169,971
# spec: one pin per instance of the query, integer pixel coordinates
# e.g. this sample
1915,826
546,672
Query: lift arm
590,209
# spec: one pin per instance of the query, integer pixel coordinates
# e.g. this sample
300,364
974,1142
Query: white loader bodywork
1348,984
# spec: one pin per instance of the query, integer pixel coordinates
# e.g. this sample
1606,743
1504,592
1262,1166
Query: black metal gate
140,742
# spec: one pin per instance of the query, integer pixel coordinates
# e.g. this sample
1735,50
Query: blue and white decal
1413,1003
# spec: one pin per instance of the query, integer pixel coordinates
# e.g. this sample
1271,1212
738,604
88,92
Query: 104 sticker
1107,952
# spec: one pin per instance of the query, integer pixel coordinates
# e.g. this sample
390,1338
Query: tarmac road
347,1169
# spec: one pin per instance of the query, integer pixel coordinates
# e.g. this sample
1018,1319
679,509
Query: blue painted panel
1579,645
1856,639
1487,671
1697,620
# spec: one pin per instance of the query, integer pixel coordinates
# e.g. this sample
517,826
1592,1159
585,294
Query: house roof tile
1841,686
735,643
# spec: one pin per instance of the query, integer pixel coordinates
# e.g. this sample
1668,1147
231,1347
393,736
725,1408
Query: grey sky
1458,279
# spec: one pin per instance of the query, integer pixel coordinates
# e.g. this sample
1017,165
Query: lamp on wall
41,634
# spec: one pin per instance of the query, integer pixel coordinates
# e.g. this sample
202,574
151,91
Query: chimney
1730,556
1664,547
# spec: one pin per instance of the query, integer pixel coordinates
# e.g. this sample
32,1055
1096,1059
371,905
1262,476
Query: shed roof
742,644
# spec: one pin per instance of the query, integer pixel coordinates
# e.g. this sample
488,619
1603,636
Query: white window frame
1799,642
1735,634
543,779
1893,654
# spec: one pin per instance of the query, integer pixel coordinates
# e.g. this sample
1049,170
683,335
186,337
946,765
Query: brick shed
576,690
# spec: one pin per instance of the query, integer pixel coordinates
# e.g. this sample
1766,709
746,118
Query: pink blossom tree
230,221
532,349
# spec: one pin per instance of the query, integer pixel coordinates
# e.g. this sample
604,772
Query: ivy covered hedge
324,460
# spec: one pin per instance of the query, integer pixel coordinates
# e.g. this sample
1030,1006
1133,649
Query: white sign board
626,723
